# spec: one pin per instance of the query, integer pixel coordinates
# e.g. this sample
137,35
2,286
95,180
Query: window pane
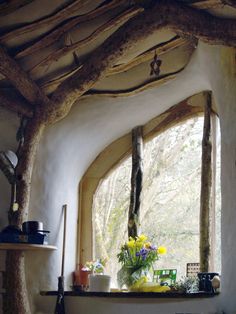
110,216
170,206
171,198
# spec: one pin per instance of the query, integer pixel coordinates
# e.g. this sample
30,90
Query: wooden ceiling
52,40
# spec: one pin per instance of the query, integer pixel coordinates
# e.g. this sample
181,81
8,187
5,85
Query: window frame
117,151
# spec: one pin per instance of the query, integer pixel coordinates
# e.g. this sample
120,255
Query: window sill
156,295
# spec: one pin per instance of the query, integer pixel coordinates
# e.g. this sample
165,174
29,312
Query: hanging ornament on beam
155,65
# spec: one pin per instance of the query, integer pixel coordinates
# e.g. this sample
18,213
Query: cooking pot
32,227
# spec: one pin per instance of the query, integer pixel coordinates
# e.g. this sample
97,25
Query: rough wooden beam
60,30
52,19
22,82
50,86
136,182
207,4
14,102
134,90
165,13
148,55
112,23
13,5
206,181
231,3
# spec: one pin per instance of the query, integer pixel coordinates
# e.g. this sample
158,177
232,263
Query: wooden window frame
115,153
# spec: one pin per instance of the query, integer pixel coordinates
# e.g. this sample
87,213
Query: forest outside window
170,203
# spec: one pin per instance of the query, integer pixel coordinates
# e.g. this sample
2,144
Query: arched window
170,204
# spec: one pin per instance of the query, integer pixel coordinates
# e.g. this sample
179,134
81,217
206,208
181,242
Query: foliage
137,257
96,266
187,285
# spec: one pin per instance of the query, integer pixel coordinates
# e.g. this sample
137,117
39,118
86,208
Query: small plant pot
99,283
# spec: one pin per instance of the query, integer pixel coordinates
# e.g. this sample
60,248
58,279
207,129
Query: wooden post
136,181
213,189
206,181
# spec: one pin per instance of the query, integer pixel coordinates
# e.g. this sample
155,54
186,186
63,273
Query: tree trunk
206,180
15,300
136,181
16,297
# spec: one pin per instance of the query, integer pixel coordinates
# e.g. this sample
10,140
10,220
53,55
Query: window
170,198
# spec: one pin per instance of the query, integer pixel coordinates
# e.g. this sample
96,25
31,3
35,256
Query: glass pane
171,198
110,216
170,206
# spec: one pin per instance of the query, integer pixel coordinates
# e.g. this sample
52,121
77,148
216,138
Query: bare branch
207,4
56,55
136,181
15,103
175,15
231,3
55,18
59,31
23,83
49,86
137,89
206,182
13,5
148,55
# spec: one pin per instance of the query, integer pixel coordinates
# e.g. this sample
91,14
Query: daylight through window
169,212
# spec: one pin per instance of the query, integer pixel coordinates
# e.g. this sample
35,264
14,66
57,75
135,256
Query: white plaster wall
68,148
8,125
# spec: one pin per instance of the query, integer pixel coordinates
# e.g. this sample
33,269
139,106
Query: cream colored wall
68,148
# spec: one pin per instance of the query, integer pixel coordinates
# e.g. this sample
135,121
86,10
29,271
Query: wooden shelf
26,246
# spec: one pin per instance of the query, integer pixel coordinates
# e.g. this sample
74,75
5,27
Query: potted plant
98,281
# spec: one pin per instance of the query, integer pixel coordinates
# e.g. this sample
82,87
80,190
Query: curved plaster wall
68,148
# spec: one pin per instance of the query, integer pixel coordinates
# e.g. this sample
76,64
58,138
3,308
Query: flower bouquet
137,257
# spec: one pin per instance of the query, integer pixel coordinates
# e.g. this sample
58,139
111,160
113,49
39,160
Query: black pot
33,227
205,281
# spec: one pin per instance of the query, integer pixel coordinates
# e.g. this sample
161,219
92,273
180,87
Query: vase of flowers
137,257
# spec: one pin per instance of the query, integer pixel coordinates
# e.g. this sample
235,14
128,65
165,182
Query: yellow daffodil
131,244
161,250
142,238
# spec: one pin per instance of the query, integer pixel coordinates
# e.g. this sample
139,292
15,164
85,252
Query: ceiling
52,39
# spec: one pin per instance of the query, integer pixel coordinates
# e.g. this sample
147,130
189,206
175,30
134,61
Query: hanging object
12,158
155,65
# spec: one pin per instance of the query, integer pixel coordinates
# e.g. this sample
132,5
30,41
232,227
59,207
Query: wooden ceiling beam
134,90
52,19
165,13
67,49
20,80
207,4
231,3
61,30
14,102
148,55
12,6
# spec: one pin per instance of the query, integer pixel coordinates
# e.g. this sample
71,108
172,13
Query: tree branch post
206,181
136,181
